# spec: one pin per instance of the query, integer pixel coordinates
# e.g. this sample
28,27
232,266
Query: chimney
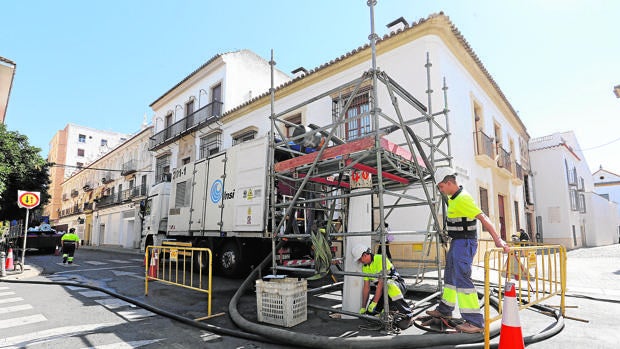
397,24
299,72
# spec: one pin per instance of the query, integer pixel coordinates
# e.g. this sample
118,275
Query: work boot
70,262
468,327
438,314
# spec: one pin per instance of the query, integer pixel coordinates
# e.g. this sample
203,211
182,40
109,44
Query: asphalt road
58,316
81,318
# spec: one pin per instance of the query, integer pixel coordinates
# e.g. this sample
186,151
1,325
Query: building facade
490,152
71,149
102,200
568,210
7,73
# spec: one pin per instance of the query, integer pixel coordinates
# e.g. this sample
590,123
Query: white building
489,141
607,184
568,210
187,116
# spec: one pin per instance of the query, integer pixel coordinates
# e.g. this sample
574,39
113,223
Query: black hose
316,341
188,321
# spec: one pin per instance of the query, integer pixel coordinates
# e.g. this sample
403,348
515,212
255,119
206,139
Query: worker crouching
372,265
69,242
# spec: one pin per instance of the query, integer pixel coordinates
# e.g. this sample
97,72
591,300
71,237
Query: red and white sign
28,199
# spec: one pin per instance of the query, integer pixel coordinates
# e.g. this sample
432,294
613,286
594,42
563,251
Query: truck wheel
229,260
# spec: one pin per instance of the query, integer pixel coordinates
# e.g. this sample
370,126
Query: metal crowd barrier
538,272
179,264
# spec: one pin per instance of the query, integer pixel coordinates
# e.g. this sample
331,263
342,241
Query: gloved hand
363,311
371,307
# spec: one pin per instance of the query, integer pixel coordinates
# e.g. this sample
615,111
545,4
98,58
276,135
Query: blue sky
101,63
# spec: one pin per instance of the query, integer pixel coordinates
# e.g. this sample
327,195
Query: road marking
137,314
128,273
119,261
93,294
40,337
114,303
95,263
20,321
74,288
4,288
126,345
2,294
11,300
5,310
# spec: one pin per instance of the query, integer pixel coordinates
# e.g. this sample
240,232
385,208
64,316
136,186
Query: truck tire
229,261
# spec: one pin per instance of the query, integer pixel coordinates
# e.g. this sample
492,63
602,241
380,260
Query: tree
21,168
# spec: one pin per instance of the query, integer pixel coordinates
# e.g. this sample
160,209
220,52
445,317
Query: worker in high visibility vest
461,225
373,264
69,242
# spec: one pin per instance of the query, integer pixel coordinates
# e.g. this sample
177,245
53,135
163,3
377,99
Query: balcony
518,175
484,149
87,187
128,168
198,119
504,161
107,178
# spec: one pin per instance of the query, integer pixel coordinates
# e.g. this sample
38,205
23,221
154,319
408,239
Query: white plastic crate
282,302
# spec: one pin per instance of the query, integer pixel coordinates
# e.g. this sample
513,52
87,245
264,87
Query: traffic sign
28,199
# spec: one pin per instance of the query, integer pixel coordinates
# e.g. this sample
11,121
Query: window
189,108
296,119
210,144
80,152
484,202
79,164
571,172
244,137
82,138
582,203
574,200
216,100
162,169
186,160
104,142
517,220
357,116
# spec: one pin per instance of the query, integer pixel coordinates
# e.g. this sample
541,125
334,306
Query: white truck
220,202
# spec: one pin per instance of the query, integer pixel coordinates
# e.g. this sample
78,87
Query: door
502,216
216,100
101,234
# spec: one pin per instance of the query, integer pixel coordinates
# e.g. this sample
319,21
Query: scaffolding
389,154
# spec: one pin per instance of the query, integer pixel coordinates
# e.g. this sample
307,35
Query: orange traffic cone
153,266
9,260
510,335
